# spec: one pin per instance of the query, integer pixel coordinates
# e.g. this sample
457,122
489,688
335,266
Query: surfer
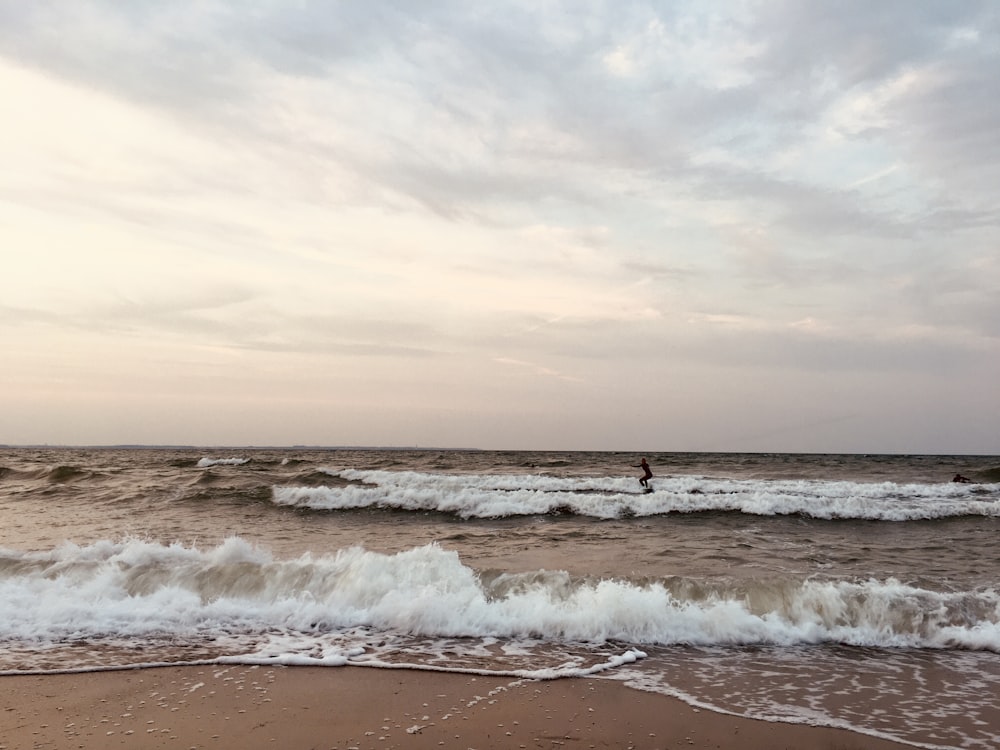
647,475
960,478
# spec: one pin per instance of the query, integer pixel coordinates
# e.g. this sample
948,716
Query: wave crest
498,496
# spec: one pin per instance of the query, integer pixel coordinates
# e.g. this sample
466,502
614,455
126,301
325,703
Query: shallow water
845,590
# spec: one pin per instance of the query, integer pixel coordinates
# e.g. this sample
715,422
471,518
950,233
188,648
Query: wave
990,475
238,597
206,462
64,474
499,496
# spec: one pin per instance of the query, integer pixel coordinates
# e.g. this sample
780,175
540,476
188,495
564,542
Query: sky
580,225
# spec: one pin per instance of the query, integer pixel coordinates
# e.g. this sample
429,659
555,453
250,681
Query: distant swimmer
647,475
960,478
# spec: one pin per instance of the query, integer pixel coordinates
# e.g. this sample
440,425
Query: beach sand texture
301,708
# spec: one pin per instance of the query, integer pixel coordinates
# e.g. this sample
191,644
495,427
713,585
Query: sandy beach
239,707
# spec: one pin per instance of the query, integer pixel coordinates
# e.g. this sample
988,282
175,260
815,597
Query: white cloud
465,206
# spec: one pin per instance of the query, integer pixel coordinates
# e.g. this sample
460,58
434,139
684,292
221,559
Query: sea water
849,591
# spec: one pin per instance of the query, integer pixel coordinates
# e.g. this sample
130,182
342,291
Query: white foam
495,496
936,699
137,589
206,462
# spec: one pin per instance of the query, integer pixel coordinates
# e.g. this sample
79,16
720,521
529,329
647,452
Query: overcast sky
739,226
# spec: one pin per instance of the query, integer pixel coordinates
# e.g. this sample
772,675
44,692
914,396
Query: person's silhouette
647,475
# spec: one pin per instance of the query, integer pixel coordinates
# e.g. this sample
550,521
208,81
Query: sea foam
497,496
236,591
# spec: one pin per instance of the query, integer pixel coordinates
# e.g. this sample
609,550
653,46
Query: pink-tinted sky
769,226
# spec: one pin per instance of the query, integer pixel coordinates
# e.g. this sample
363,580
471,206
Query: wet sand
304,708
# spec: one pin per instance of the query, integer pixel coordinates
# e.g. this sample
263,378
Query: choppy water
856,591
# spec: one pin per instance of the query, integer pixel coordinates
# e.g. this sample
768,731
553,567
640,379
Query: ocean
844,590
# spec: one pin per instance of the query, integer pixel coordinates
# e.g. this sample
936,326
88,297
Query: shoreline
230,707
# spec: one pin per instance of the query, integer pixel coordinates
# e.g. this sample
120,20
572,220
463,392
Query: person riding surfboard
647,475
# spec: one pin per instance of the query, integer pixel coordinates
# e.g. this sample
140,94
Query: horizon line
319,447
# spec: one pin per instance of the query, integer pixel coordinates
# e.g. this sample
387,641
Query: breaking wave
498,496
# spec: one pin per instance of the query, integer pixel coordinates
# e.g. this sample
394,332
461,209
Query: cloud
457,107
538,369
580,192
